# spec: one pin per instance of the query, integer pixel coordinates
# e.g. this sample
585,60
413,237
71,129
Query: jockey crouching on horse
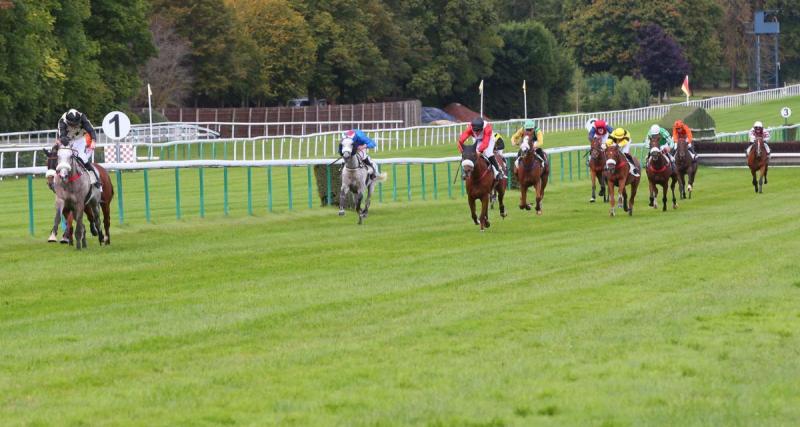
482,134
622,138
361,142
659,135
527,133
756,132
681,131
72,129
600,128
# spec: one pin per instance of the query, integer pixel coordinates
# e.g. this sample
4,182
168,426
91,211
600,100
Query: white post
150,110
525,93
480,89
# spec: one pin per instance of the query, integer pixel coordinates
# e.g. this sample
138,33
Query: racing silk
359,138
499,142
481,140
66,133
683,131
538,137
764,134
593,130
664,138
622,141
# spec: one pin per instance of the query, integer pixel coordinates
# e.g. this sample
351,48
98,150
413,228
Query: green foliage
789,18
603,91
531,53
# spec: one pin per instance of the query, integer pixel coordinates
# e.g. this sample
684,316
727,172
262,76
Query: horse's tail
381,177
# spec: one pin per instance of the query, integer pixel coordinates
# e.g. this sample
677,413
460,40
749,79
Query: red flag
685,86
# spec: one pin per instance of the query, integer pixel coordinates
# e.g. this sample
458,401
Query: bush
603,91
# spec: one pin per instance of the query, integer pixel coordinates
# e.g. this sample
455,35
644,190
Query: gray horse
354,180
74,192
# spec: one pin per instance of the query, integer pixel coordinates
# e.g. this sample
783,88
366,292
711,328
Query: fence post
435,184
449,181
120,204
289,178
328,190
394,182
408,180
202,194
177,193
561,155
250,191
269,188
30,204
146,196
422,171
310,194
570,165
225,190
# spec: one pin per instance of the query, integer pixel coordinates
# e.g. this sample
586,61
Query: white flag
149,91
480,87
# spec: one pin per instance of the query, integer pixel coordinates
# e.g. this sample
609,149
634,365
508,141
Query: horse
597,162
686,166
617,173
496,195
74,190
480,182
105,202
758,161
355,175
531,172
660,172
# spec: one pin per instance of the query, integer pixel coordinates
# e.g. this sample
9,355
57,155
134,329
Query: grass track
687,317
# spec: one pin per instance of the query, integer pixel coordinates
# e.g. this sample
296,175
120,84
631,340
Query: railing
777,134
161,132
428,176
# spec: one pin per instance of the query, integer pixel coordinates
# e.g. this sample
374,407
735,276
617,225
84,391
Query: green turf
685,317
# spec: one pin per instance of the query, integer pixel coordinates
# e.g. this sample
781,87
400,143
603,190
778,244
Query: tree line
97,55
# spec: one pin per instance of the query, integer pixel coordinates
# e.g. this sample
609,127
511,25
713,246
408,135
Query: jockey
72,129
499,143
530,131
601,128
681,131
622,138
361,142
484,141
758,131
665,142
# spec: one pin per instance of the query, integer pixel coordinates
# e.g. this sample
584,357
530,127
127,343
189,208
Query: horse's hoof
521,207
592,200
674,206
630,212
341,213
528,207
539,213
64,241
611,213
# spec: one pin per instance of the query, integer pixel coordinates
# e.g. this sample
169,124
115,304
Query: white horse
74,189
355,175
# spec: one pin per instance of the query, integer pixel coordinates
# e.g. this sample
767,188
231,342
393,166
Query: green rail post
328,189
201,150
561,155
175,153
408,180
30,204
394,182
225,150
380,192
435,184
214,150
269,188
463,189
250,191
570,165
289,178
146,196
578,159
310,193
449,181
422,171
120,204
177,193
225,190
202,194
161,153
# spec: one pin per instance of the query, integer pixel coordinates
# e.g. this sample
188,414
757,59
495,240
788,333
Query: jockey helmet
758,125
654,130
618,133
600,124
678,123
530,124
477,124
73,117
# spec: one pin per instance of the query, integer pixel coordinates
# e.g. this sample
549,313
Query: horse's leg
485,211
674,200
653,193
766,169
523,195
368,200
603,186
593,175
69,233
624,190
539,194
471,202
501,194
664,196
79,229
634,188
761,179
342,196
755,182
96,222
692,172
359,199
612,199
106,207
56,222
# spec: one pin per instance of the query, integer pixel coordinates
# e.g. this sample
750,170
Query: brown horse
758,161
660,172
531,172
480,182
105,203
501,161
597,161
686,166
617,173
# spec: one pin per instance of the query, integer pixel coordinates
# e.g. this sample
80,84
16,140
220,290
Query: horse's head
525,146
655,154
347,148
654,140
65,162
612,157
468,159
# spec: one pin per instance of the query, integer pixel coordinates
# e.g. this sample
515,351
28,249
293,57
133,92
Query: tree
789,18
660,59
168,72
732,30
531,53
121,31
280,51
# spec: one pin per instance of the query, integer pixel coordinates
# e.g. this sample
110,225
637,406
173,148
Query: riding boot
373,166
493,162
693,153
542,157
93,171
634,168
